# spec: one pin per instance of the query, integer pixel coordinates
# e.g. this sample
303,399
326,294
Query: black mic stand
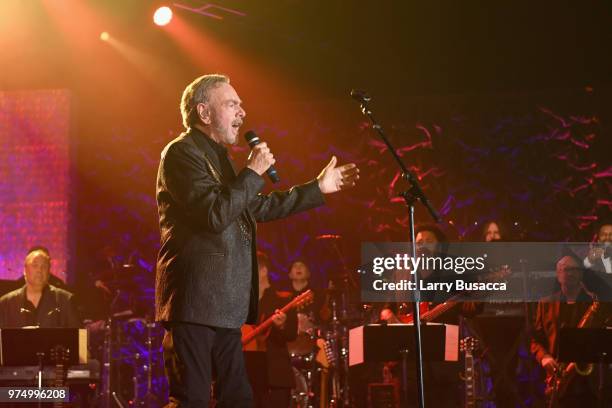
413,194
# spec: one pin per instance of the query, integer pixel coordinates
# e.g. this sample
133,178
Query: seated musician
53,280
280,377
38,303
563,309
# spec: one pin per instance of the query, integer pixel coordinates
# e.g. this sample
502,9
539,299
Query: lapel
214,166
208,154
23,297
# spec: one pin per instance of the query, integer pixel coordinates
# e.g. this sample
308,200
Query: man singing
207,279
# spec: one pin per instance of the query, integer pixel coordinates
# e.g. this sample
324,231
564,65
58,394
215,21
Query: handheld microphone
253,140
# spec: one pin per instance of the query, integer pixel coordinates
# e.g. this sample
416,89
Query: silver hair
197,92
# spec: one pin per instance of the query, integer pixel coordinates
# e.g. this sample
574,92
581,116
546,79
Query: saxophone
556,384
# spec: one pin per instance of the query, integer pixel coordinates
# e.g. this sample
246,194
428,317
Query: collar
24,295
583,297
201,137
304,289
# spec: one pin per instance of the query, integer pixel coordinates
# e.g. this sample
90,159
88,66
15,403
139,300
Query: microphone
253,140
360,95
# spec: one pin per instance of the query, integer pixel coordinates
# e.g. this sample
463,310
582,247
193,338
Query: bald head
36,269
569,273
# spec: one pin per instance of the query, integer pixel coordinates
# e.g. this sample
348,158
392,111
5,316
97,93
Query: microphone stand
412,195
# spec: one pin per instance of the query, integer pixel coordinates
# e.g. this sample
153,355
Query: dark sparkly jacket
207,266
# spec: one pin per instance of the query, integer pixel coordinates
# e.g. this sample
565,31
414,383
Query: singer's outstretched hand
334,178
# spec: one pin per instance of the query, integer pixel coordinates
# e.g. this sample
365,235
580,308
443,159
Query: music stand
588,345
32,346
396,342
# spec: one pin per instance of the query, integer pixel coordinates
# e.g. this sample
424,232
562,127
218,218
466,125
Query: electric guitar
249,335
435,312
60,355
468,345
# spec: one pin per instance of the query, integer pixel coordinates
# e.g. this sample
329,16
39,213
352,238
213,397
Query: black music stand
32,346
588,345
396,342
19,347
385,342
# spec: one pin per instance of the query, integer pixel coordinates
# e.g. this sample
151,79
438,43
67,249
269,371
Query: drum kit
319,356
129,344
302,352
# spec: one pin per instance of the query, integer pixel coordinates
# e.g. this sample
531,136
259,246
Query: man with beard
599,257
207,275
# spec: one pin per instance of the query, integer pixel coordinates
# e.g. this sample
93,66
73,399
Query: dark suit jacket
207,266
55,309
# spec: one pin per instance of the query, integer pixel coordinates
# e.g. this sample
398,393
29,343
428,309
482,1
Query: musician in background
53,280
599,257
563,309
38,303
280,374
493,231
311,315
430,241
438,376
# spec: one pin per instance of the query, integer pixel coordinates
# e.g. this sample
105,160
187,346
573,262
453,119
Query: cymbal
328,236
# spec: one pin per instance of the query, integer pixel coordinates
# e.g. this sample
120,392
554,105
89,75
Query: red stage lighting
162,16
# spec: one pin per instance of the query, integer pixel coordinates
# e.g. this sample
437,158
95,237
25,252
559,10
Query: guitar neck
270,320
440,309
470,383
60,381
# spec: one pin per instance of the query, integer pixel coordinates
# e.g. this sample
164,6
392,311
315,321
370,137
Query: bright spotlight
162,16
104,36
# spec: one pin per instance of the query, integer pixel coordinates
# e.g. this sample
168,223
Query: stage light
162,16
104,36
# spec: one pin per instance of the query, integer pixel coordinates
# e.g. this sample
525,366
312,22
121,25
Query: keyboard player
38,303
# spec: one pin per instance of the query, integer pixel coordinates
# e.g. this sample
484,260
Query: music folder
383,342
585,345
18,346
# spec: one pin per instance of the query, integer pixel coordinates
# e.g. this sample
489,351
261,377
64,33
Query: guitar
60,355
435,312
326,358
302,300
468,345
